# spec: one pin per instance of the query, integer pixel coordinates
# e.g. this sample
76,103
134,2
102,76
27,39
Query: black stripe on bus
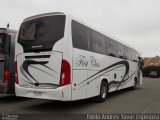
38,56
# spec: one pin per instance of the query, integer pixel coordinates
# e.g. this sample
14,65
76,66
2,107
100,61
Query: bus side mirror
141,63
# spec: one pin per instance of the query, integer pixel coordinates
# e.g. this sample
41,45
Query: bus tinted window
98,44
40,34
2,37
120,51
112,50
80,36
128,53
106,42
86,38
134,56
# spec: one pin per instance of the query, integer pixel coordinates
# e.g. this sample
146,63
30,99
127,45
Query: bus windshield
40,34
2,37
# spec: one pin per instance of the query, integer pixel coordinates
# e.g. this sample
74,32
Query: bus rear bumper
61,93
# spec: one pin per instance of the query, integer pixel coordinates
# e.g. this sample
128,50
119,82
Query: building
151,66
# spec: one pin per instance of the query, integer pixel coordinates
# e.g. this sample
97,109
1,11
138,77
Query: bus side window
106,42
128,53
98,44
134,56
80,36
120,51
112,51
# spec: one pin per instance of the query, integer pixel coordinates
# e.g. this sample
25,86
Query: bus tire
103,92
135,84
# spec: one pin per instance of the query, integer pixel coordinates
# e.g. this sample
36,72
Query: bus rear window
42,33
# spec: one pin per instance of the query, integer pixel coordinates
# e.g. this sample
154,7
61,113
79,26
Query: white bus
61,58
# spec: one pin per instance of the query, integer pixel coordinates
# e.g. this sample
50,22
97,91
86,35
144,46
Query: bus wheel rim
103,92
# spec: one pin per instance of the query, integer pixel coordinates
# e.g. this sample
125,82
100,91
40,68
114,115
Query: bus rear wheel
103,92
135,84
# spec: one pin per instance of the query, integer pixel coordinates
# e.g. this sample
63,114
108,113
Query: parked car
153,74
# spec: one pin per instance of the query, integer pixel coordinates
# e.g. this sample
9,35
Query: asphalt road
144,99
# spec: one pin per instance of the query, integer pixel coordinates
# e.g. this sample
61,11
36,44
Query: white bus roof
42,15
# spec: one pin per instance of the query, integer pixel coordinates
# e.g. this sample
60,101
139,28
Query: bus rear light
6,76
16,73
65,76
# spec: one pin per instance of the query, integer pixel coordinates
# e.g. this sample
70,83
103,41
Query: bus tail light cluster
6,76
16,73
65,77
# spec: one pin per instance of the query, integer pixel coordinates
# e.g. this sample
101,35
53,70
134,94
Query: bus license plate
37,93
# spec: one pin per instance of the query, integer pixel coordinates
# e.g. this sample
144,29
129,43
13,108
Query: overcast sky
137,22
